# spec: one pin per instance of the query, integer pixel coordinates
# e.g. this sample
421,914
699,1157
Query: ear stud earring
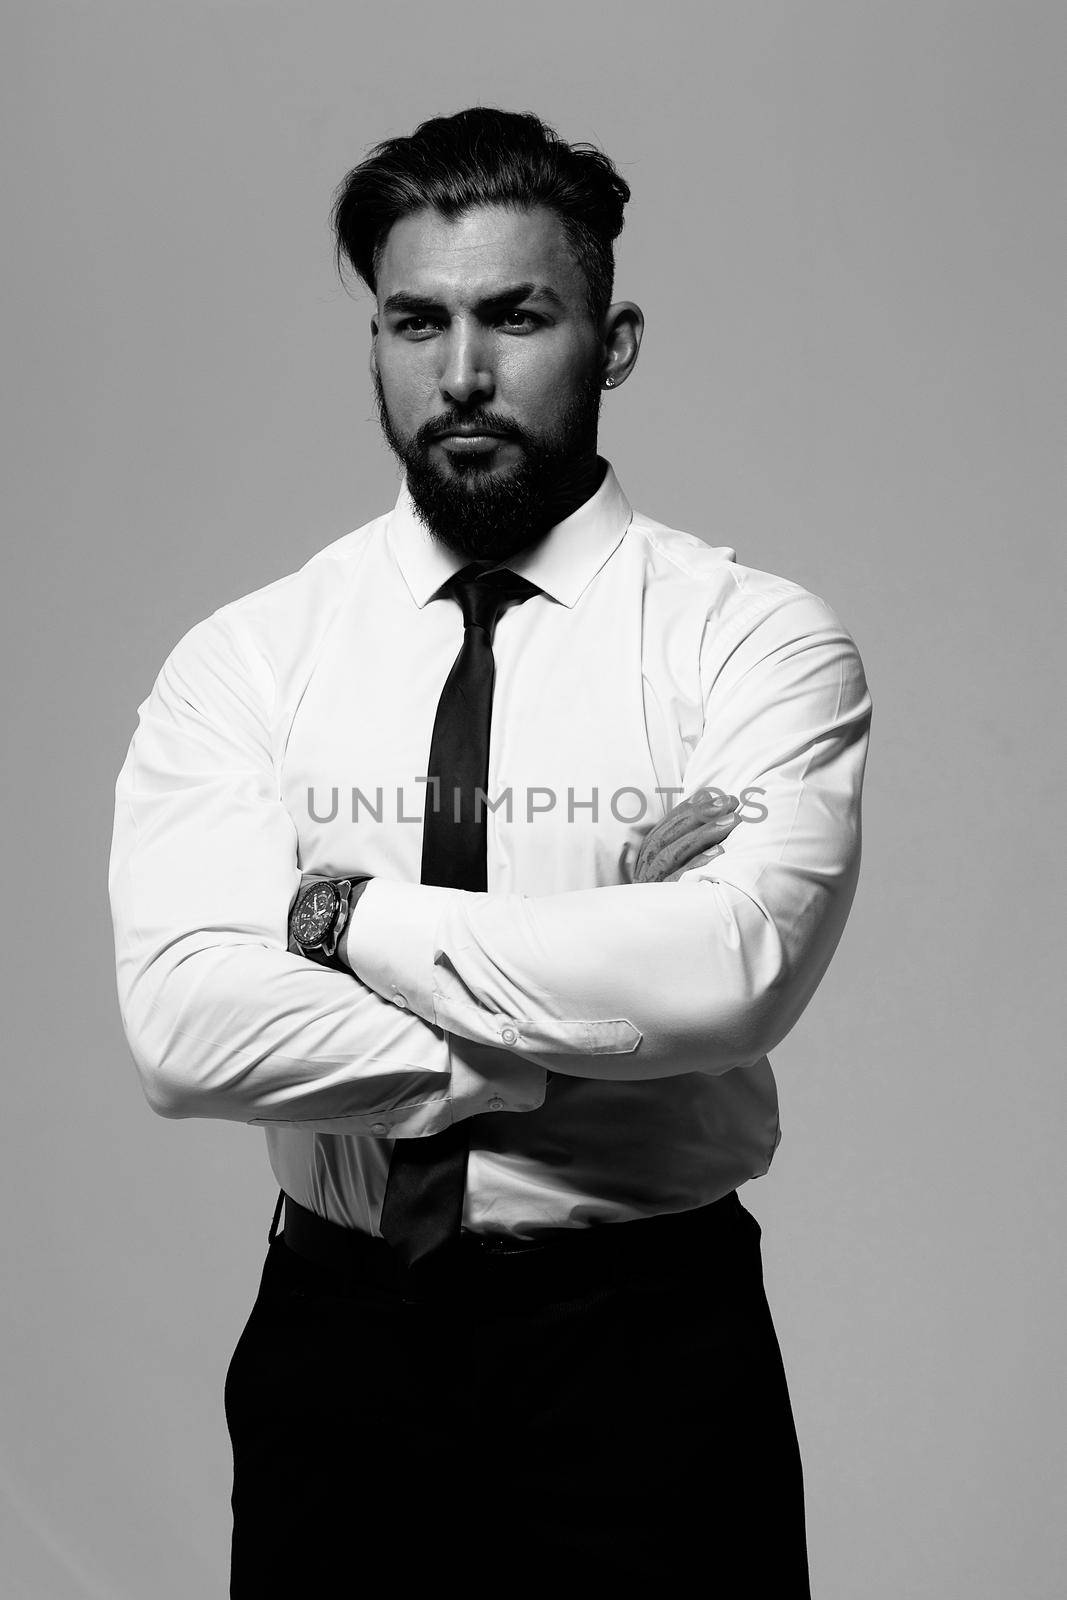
609,383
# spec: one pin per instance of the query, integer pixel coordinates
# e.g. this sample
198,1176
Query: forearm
649,980
243,1033
621,983
221,1019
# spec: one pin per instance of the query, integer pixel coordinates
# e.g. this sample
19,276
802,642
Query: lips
468,433
470,443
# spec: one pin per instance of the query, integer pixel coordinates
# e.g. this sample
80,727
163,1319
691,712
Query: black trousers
539,1425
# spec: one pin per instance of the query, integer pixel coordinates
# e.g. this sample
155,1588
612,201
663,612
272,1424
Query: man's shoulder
307,597
258,635
702,592
710,572
323,579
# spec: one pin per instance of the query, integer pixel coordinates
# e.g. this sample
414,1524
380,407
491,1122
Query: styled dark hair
481,157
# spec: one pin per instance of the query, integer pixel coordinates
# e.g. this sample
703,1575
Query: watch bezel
312,929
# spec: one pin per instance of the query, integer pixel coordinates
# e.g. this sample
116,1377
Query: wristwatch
319,918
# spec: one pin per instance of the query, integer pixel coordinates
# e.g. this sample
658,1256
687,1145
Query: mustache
475,421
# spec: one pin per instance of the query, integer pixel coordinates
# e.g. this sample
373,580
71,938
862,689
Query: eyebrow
511,296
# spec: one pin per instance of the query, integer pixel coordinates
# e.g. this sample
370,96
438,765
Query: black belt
501,1262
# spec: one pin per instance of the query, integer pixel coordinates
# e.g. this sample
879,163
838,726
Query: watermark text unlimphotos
627,804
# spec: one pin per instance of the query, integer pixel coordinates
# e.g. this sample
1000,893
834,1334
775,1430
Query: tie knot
484,595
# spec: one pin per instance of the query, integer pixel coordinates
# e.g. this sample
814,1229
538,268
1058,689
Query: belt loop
273,1234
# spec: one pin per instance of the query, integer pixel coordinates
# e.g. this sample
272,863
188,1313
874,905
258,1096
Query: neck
571,489
577,484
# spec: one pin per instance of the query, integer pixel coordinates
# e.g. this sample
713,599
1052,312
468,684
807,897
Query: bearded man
481,862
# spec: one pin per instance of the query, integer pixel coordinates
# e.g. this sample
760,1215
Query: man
481,862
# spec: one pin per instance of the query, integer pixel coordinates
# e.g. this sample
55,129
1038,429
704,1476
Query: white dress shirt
608,1038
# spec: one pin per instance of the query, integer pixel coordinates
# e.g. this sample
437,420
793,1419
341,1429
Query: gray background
843,236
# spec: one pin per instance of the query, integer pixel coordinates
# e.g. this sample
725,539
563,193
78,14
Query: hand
694,829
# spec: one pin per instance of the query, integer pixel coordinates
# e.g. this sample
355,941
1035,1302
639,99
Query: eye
416,327
520,321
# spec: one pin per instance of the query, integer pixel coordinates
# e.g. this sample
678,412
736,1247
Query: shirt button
400,1000
496,1104
379,1127
509,1035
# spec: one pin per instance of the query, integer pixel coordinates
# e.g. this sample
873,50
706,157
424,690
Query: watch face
315,912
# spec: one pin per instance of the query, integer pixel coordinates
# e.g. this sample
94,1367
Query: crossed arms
632,981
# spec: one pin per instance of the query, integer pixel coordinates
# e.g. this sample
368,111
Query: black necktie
423,1206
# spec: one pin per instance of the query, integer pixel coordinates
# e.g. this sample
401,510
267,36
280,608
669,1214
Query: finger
671,857
699,807
703,807
656,849
695,843
715,800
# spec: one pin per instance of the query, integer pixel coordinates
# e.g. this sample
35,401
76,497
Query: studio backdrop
843,234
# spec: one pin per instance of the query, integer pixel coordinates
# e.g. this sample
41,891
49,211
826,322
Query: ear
624,324
373,347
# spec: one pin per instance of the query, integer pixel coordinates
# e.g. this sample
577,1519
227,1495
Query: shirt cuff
391,946
390,941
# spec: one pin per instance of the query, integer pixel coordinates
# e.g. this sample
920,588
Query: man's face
487,366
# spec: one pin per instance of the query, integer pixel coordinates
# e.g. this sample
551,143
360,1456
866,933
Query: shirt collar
563,564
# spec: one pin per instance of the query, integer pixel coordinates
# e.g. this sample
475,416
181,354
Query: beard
486,515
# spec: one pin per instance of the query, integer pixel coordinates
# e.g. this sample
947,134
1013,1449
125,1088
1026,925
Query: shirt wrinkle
648,1010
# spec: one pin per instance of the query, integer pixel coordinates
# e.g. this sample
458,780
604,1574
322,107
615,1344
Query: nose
466,373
